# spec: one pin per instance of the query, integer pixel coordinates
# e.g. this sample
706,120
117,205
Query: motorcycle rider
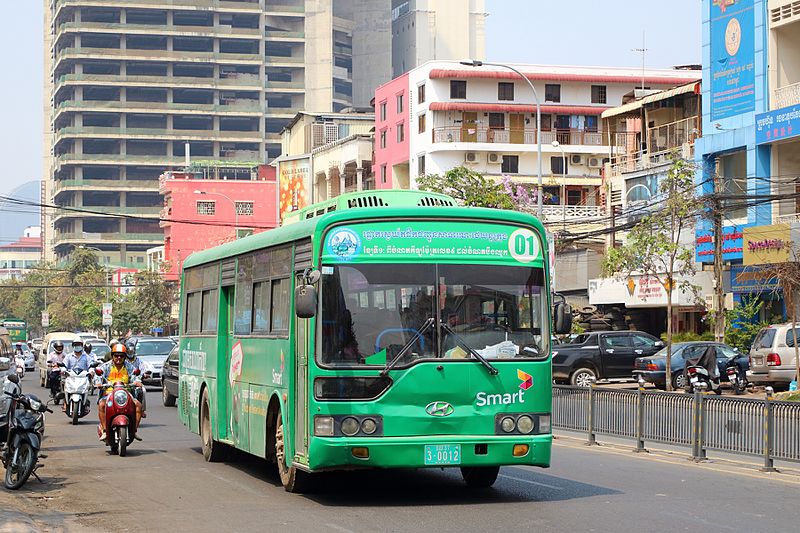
134,360
54,375
78,360
19,359
118,369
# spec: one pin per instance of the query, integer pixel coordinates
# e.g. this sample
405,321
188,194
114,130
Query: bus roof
309,226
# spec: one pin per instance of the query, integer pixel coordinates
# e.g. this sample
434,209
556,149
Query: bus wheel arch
292,479
214,451
273,412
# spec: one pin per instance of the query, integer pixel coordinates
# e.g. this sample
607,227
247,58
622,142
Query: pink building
210,206
391,134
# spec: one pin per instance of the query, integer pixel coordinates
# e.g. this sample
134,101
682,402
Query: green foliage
689,336
741,324
468,186
145,308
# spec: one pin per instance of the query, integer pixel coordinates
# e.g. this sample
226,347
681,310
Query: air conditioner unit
576,159
595,162
471,157
494,158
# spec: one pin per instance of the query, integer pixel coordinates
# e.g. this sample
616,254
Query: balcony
226,32
556,213
245,81
222,5
105,185
234,107
97,132
673,134
83,53
282,35
452,134
86,237
786,96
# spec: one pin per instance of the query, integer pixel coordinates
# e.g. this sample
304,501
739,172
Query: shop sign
733,89
732,244
778,124
767,245
646,291
752,279
294,179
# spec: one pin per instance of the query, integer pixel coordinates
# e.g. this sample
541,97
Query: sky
572,32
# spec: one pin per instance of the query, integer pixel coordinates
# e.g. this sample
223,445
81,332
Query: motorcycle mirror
136,372
98,371
13,378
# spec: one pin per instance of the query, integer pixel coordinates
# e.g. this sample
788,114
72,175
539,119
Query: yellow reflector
520,450
363,453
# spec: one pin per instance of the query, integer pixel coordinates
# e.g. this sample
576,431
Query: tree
470,187
655,248
788,276
146,307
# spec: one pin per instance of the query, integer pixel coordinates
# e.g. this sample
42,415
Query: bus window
261,292
280,304
193,302
209,311
242,310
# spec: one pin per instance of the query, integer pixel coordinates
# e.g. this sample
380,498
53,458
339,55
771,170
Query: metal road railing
766,428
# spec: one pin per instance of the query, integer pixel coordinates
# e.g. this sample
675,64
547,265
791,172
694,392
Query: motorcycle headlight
35,405
120,398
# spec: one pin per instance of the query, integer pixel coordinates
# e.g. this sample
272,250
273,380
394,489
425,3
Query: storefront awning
516,108
631,107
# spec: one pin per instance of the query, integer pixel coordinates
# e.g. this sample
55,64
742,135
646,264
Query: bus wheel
480,477
213,451
292,479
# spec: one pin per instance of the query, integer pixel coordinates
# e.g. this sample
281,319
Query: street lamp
556,144
476,63
235,212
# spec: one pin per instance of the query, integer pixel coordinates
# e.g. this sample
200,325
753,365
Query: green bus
17,329
386,329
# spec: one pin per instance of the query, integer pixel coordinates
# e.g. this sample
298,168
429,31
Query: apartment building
443,114
18,257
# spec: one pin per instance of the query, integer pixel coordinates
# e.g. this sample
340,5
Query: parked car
152,351
601,355
169,378
772,356
653,368
36,345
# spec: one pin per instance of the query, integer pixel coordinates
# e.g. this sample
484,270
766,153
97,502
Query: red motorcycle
120,415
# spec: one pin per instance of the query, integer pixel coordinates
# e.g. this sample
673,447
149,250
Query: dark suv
169,378
601,355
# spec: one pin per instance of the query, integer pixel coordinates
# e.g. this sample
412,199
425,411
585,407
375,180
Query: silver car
772,356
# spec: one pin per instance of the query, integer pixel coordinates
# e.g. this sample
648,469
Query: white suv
772,356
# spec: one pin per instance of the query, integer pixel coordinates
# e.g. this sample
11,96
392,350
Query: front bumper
408,452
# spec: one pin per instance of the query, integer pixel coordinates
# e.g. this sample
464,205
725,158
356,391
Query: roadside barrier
700,421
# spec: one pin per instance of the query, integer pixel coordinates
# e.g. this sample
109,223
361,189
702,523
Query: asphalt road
165,485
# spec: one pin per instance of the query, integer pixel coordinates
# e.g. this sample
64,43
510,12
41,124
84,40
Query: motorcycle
19,361
737,376
75,392
120,415
697,375
21,427
54,375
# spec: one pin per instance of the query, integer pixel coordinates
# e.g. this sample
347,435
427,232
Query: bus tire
213,450
480,477
292,479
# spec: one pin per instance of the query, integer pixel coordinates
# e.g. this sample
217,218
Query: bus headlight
507,424
544,424
323,426
368,426
350,426
525,424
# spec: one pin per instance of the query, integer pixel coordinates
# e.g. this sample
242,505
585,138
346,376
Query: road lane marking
532,482
340,528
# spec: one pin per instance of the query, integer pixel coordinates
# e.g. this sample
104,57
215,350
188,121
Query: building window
574,197
208,208
591,123
383,173
400,103
497,121
244,209
421,123
421,93
733,169
598,94
557,167
458,89
510,164
421,165
383,111
383,139
505,91
552,92
401,132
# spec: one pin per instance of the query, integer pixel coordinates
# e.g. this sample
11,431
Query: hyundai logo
439,409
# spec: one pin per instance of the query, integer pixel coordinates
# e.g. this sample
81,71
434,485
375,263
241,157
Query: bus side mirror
305,301
562,318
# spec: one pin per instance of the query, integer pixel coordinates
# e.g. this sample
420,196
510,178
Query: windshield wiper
418,335
492,370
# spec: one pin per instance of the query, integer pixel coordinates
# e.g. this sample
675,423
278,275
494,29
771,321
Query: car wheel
166,398
583,377
678,380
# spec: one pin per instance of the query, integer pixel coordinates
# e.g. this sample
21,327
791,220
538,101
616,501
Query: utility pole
719,311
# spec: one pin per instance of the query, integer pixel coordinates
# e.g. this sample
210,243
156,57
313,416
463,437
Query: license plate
442,454
758,361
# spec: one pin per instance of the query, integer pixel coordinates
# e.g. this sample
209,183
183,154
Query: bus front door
301,350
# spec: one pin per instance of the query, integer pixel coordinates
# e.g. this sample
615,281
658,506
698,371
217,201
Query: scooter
698,375
21,428
54,375
19,361
737,376
120,415
76,392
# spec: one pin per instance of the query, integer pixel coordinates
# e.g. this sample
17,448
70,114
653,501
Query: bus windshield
371,313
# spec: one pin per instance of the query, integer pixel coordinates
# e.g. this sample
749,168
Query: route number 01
523,244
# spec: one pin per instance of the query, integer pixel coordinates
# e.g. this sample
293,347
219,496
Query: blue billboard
733,79
777,125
